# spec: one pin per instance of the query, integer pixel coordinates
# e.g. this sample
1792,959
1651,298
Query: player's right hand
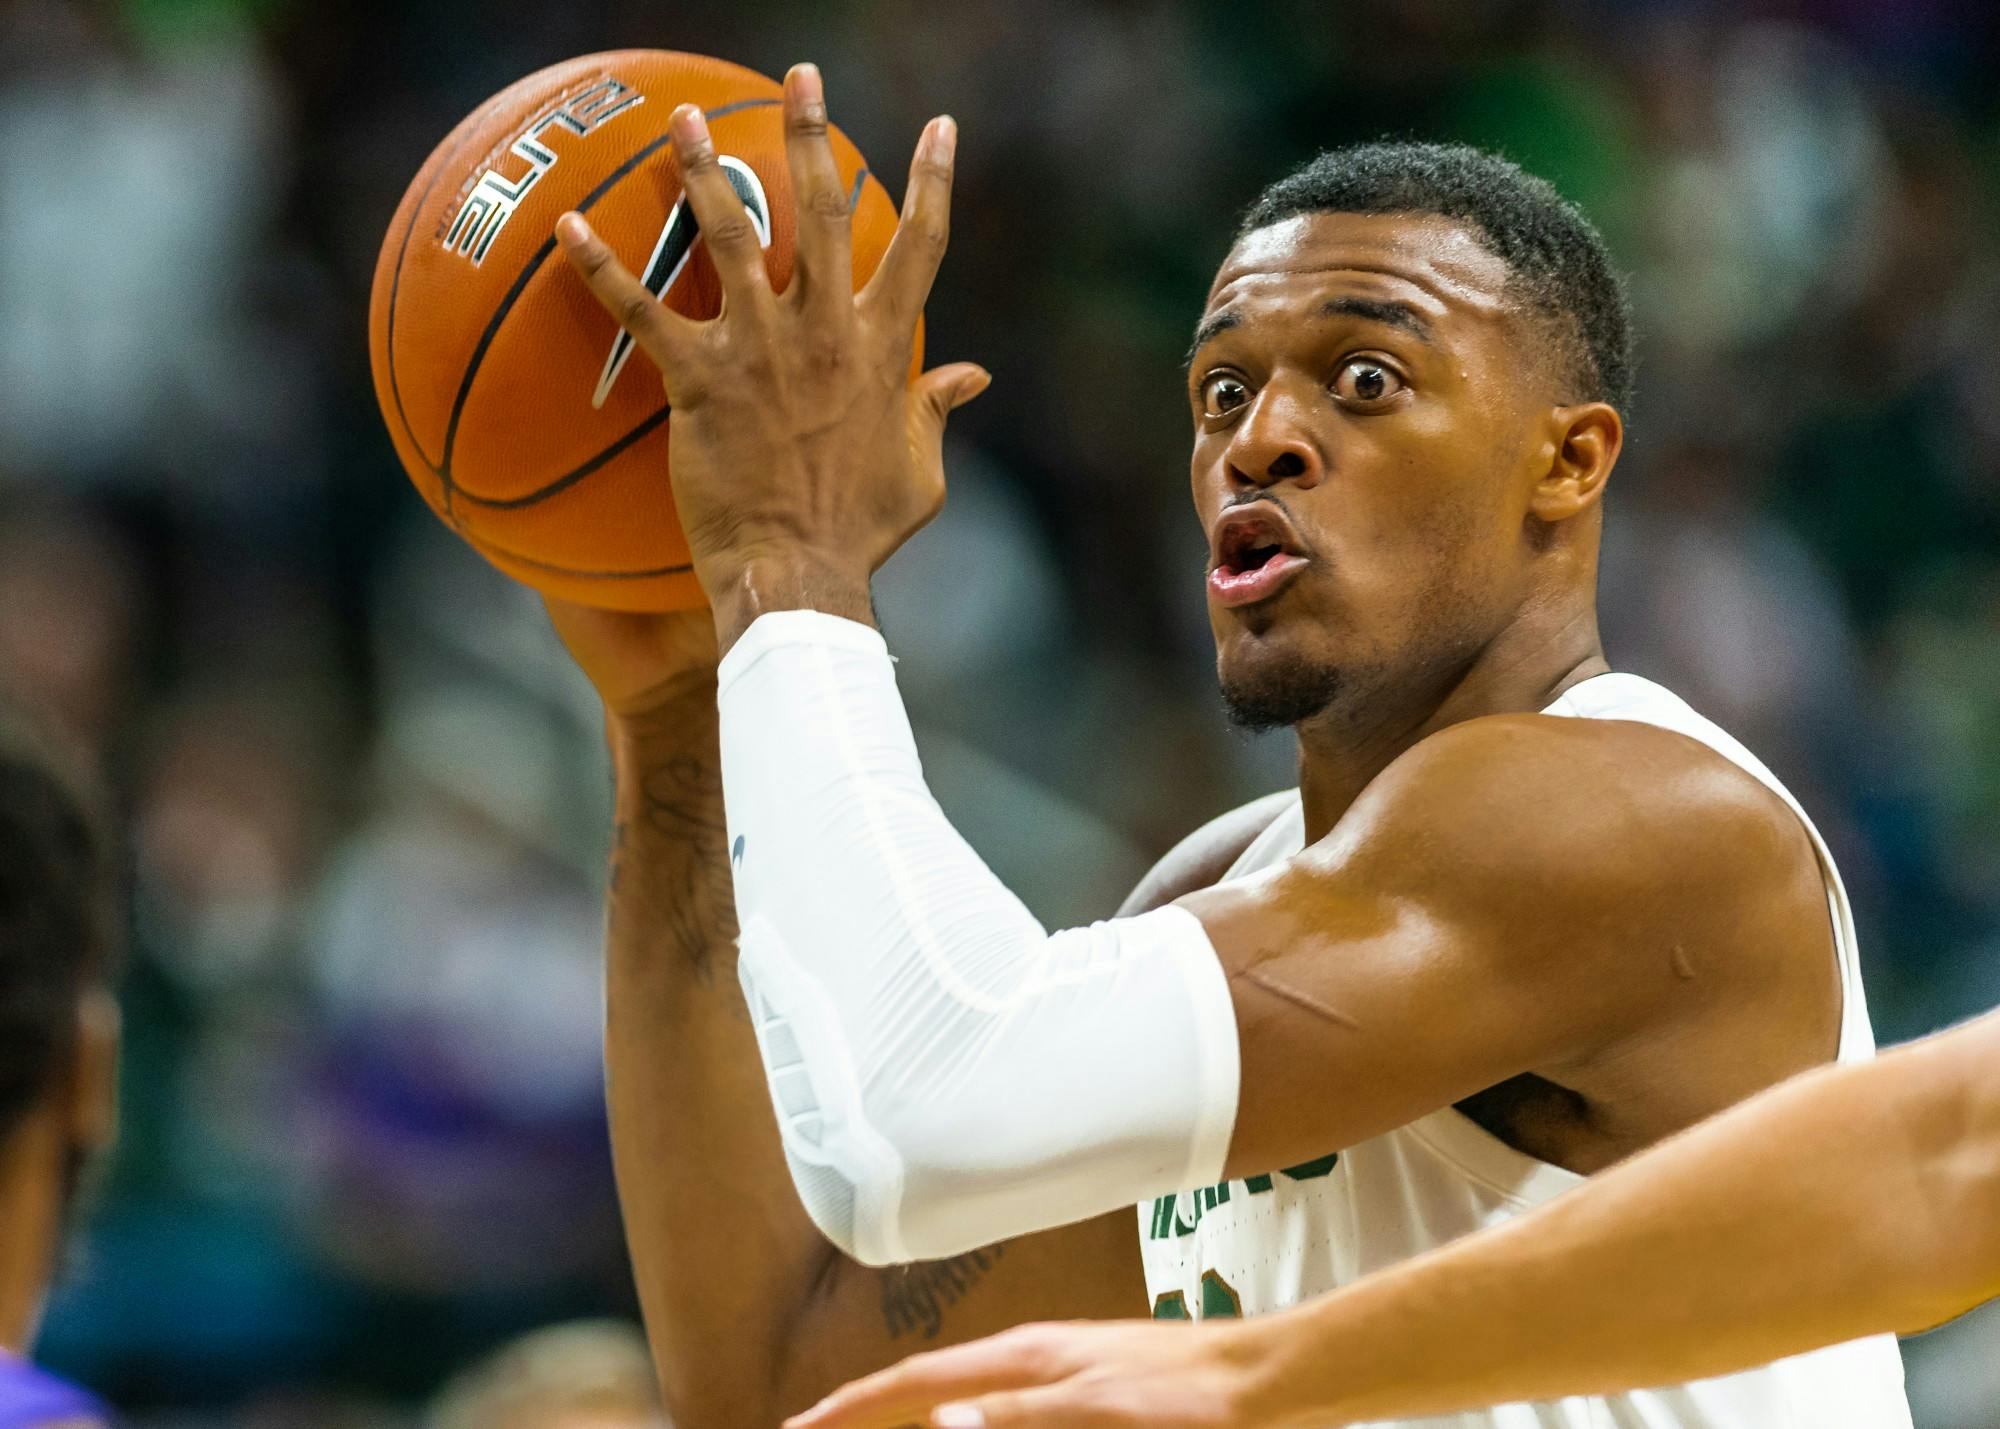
640,664
802,453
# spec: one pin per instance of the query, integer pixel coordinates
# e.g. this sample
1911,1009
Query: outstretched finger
660,332
735,236
823,266
904,1393
903,282
1046,1407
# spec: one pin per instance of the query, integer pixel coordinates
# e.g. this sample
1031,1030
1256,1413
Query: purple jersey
30,1399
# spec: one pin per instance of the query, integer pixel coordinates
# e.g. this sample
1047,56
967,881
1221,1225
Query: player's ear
93,1082
1586,441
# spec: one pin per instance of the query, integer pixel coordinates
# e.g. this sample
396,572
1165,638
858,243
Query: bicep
1506,900
1359,1013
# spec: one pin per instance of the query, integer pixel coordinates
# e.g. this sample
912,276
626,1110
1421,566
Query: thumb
943,388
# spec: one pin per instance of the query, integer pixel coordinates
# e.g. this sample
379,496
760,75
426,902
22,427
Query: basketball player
1697,1258
1523,916
58,1050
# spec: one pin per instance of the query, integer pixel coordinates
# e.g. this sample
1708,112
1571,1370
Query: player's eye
1365,381
1222,394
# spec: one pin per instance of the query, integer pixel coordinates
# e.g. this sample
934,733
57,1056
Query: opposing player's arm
1516,894
1850,1201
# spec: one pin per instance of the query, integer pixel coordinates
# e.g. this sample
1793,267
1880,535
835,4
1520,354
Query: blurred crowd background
363,1138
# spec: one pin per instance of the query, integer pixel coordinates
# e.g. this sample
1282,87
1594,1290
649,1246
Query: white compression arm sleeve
946,1072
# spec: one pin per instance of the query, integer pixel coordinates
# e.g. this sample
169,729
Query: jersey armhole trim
1478,1155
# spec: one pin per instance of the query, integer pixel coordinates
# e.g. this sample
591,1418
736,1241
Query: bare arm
1850,1201
1526,894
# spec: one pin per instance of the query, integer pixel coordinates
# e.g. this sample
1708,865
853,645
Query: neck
32,1196
1539,655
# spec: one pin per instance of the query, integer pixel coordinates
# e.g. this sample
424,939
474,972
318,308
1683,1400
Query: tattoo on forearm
685,896
683,814
915,1297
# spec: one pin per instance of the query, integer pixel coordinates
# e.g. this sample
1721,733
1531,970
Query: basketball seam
569,478
495,548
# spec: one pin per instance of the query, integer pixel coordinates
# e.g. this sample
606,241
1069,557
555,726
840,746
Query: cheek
1389,551
1205,471
1412,492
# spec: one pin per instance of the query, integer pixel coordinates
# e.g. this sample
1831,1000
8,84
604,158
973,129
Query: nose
1273,443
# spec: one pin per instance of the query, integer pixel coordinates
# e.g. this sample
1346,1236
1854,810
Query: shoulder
1537,813
1201,858
1543,780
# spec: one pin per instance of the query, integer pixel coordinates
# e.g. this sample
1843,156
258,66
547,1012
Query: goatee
1284,695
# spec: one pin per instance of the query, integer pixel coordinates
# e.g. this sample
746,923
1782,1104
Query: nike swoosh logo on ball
673,249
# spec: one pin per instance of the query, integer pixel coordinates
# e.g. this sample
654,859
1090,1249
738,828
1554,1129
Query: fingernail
572,230
958,1416
947,136
810,87
690,124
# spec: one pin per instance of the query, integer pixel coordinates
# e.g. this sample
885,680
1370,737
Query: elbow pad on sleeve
946,1073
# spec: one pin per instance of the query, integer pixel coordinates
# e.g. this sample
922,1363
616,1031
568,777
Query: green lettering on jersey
1218,1300
1166,1223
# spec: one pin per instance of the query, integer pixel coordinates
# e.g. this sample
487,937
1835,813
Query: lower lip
1248,587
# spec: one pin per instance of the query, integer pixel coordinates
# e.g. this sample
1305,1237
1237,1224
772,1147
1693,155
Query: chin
1271,687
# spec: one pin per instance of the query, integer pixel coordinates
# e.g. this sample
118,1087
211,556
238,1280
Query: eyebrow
1209,330
1387,312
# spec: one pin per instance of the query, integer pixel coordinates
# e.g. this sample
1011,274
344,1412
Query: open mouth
1254,554
1246,557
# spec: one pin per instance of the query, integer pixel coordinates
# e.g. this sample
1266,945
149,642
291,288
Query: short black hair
1562,269
58,922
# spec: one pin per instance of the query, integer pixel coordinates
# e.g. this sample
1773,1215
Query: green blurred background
363,1136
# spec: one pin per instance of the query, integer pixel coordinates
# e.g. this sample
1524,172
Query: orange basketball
525,417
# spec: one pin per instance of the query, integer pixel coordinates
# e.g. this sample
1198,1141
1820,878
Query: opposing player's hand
801,454
1080,1375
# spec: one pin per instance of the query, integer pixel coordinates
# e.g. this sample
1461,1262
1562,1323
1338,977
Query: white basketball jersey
1270,1241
